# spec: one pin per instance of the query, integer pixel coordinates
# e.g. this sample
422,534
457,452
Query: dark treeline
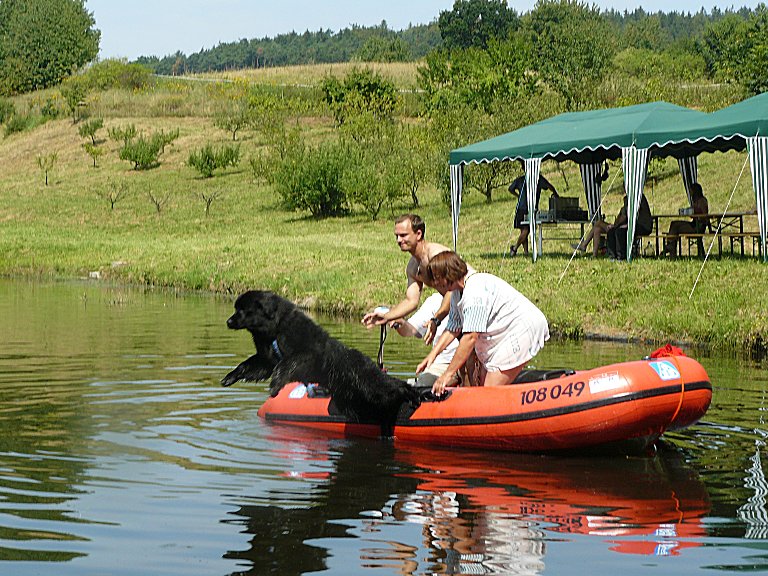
673,26
376,43
640,29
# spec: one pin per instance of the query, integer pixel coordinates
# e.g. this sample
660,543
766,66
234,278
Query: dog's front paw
230,378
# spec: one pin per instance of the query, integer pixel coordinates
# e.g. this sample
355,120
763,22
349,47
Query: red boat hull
629,404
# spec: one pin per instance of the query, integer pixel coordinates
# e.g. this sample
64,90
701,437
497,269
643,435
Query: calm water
121,455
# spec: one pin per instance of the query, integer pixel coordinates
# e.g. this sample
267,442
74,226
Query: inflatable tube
624,406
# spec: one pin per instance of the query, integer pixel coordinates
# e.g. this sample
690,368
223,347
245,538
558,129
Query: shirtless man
409,233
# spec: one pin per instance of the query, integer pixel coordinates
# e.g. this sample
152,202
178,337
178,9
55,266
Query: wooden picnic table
731,226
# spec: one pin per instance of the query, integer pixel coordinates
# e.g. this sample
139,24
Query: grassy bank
350,264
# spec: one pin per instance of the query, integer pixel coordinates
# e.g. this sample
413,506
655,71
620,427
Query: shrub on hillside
122,134
7,110
360,91
311,179
115,73
17,123
208,159
89,128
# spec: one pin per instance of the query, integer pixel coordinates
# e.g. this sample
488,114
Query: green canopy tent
632,133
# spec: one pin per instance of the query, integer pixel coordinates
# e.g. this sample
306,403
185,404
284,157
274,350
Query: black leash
382,337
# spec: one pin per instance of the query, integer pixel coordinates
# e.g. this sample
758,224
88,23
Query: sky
163,27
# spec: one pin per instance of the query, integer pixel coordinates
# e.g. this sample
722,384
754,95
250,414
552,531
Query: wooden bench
692,239
734,239
739,238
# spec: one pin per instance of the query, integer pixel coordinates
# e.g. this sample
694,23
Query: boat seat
532,375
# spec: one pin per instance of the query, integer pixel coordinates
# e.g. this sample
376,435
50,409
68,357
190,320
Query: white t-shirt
511,328
422,315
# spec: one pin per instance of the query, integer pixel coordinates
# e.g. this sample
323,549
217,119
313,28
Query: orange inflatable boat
622,407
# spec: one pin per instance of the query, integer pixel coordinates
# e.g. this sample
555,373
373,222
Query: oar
381,310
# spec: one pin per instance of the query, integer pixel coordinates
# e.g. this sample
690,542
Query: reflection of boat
478,512
626,406
642,505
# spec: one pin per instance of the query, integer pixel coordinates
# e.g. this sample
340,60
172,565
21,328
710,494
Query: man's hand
438,388
376,318
373,319
424,364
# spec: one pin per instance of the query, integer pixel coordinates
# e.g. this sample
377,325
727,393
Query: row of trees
44,41
375,43
470,23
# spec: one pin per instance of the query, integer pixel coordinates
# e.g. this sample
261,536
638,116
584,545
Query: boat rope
719,227
682,388
591,223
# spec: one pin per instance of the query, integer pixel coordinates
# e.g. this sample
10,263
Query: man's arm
442,343
437,319
460,357
546,185
408,305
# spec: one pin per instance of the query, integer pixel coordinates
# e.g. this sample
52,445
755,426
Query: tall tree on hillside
573,46
44,41
736,50
473,23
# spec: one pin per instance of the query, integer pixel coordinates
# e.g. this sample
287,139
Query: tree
573,47
736,50
115,191
74,91
94,151
723,47
360,91
378,49
478,77
46,163
311,179
375,174
754,76
208,159
89,129
44,41
473,23
233,117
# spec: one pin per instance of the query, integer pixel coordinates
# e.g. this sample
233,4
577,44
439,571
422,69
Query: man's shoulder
433,249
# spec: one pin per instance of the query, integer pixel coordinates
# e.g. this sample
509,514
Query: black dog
290,347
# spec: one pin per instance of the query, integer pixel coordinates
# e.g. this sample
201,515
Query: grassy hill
349,264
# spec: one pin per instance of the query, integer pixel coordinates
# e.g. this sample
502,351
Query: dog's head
259,312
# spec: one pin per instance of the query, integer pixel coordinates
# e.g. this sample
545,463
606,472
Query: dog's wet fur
291,347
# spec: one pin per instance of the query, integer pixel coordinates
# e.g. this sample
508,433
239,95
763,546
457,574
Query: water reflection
475,513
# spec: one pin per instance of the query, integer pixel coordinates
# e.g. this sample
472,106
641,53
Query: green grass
349,264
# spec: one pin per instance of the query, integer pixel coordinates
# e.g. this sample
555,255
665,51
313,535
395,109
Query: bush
360,91
166,138
74,90
114,73
143,152
89,128
208,159
17,123
50,108
7,110
311,179
122,134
